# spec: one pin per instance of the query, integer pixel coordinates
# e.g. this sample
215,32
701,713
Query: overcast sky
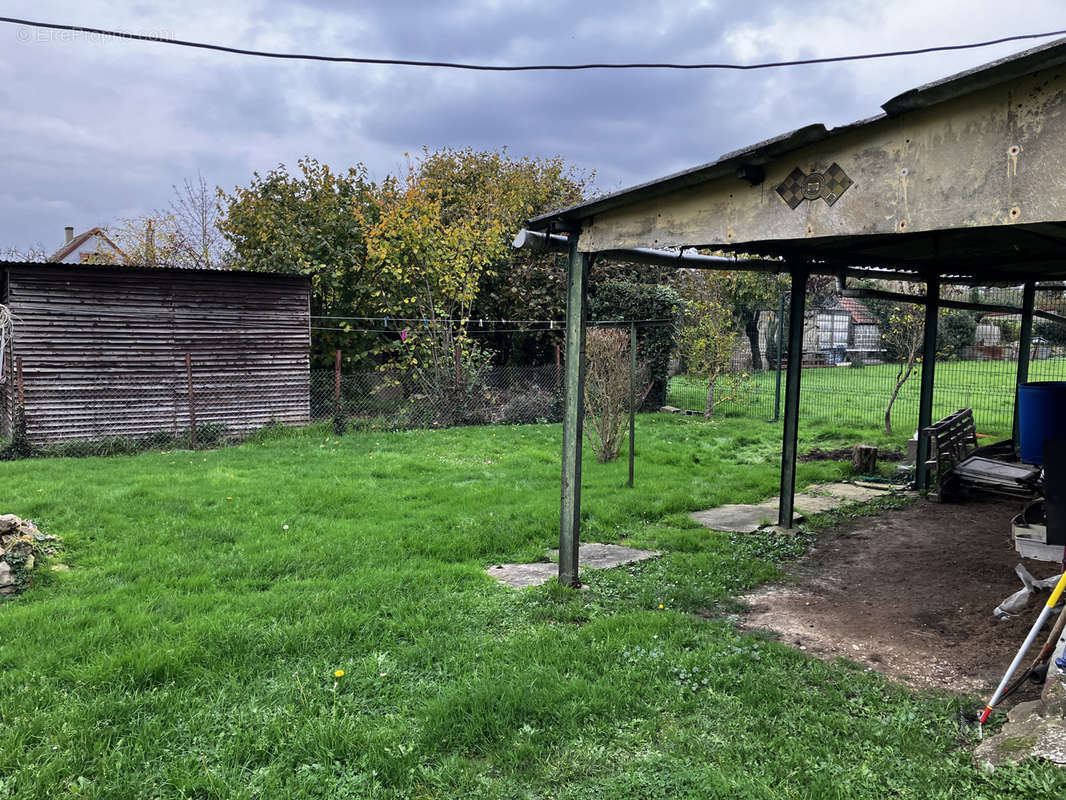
94,130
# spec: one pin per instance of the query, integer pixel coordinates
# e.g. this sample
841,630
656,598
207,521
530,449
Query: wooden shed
104,350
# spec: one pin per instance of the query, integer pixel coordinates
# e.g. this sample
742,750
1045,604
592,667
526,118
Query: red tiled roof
860,314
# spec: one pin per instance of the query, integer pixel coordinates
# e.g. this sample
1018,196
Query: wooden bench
957,464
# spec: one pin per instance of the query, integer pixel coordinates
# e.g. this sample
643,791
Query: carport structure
960,181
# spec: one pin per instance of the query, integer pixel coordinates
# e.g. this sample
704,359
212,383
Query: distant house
103,349
843,329
91,247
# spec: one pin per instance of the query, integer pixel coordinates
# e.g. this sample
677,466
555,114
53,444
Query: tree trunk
710,399
901,378
751,329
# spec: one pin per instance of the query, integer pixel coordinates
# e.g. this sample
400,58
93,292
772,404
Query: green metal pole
925,398
1025,342
573,414
790,430
780,355
632,394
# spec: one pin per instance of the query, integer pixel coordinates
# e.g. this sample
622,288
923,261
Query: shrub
20,445
636,301
607,390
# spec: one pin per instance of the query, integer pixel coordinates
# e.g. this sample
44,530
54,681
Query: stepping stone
604,556
851,492
590,556
817,503
740,518
519,576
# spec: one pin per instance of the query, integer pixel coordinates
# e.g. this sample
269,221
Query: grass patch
192,649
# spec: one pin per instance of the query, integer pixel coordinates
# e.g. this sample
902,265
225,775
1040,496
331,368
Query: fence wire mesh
125,413
852,364
851,370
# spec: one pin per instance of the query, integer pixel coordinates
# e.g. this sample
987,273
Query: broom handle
1044,614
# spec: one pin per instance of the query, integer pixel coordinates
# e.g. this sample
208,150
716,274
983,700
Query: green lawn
858,397
191,651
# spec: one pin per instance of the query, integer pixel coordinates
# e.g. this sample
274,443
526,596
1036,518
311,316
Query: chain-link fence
853,366
126,413
395,399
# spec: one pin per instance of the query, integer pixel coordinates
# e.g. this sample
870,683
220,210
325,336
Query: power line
404,62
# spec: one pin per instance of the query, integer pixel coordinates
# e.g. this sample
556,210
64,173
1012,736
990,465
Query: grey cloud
93,132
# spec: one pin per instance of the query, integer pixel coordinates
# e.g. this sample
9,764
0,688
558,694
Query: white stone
9,522
7,576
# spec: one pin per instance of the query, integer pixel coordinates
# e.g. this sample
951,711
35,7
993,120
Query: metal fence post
1025,342
632,394
790,430
780,355
337,385
925,398
192,401
573,415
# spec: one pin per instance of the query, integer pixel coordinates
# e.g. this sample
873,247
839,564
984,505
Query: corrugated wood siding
103,349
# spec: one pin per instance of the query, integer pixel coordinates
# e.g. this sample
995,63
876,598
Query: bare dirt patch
909,593
844,454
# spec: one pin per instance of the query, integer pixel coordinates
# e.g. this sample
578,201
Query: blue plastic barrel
1041,416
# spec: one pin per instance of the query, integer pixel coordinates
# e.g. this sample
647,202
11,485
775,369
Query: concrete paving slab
740,518
817,503
849,491
592,555
604,556
519,576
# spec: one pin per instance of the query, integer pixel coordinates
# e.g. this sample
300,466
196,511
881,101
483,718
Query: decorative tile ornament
828,186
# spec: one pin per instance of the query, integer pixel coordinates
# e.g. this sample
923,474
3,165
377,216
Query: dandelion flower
338,673
661,605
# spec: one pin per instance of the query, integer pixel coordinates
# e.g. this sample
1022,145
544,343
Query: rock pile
22,548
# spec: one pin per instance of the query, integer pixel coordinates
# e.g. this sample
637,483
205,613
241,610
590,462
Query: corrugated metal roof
951,87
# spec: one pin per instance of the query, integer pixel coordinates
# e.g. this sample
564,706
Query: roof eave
962,83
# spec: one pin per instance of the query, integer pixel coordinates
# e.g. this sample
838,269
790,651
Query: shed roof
939,91
140,268
860,314
953,178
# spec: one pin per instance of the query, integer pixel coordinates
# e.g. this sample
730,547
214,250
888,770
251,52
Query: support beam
573,414
792,395
925,399
963,305
1025,342
543,242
